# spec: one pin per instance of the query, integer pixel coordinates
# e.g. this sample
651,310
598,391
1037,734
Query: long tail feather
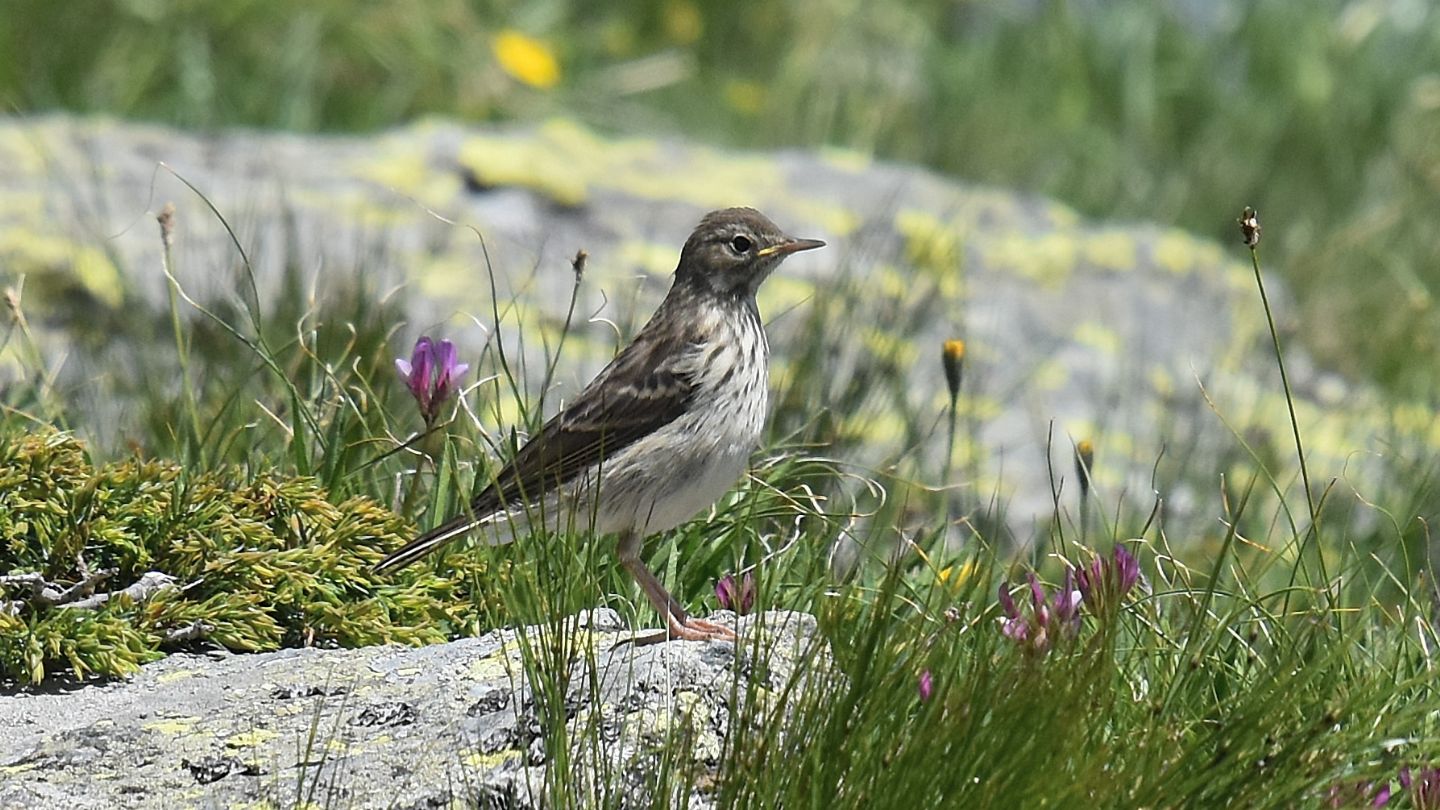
428,542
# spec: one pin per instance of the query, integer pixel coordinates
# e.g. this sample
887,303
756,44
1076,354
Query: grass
1228,675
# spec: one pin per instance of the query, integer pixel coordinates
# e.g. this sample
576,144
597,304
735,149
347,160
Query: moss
261,560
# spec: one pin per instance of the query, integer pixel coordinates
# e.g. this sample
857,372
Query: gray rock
398,727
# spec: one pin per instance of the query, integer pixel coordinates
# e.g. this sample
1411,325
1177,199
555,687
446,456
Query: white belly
674,474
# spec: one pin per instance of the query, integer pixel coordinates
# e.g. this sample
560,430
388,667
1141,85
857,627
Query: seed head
952,357
1084,461
1250,227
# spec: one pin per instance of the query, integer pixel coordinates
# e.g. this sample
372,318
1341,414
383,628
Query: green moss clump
258,562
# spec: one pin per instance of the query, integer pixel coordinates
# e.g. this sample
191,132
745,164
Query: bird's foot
688,628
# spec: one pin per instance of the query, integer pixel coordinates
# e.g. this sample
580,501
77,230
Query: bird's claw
691,629
686,629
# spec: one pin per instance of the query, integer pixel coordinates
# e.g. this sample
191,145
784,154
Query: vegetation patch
105,568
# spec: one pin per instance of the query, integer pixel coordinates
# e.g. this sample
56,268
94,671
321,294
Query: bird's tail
437,537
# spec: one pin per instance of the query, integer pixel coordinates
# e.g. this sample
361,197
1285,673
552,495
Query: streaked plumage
665,429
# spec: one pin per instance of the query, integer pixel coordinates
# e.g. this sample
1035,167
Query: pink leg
678,624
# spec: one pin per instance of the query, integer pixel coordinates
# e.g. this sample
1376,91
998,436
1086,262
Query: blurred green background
1324,115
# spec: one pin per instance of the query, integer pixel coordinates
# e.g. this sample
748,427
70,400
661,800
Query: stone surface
390,726
1143,339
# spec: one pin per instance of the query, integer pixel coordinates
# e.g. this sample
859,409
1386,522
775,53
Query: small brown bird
664,430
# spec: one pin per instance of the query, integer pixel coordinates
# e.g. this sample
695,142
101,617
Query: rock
395,727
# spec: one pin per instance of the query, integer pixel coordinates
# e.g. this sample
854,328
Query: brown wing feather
647,386
644,388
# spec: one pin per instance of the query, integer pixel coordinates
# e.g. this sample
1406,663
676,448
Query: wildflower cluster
1048,617
1104,583
1422,785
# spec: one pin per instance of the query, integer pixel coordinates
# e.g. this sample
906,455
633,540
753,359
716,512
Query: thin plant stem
45,381
578,265
182,349
950,444
1312,535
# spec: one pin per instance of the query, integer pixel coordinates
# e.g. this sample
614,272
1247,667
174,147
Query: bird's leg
677,622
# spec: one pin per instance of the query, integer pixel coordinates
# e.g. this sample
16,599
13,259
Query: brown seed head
1250,227
166,218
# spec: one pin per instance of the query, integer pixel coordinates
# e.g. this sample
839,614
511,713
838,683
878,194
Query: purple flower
1423,785
736,595
926,686
1358,794
430,374
1105,582
1048,617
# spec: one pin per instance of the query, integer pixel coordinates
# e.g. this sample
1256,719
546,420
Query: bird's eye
740,244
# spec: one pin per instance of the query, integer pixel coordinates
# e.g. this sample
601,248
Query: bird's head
733,250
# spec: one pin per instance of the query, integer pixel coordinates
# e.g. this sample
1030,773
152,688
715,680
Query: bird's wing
644,388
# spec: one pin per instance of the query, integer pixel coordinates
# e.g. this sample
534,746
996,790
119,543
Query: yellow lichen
173,725
1099,337
1111,250
929,243
533,164
397,165
27,252
1162,382
784,292
1047,259
492,667
1049,375
476,759
648,257
27,151
250,739
1175,252
849,160
450,277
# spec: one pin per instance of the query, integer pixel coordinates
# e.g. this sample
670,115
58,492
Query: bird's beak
792,246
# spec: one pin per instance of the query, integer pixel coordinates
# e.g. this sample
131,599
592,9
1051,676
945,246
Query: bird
663,431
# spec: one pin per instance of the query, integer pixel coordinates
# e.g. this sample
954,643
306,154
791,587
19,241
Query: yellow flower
955,577
1084,464
952,358
527,59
